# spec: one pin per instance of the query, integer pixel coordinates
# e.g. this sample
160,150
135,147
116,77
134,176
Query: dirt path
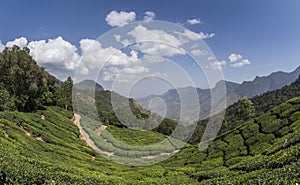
100,129
84,136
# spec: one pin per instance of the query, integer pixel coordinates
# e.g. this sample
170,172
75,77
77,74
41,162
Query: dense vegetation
84,98
37,151
24,86
40,144
256,107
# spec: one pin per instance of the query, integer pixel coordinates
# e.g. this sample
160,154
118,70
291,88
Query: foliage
36,151
245,109
64,93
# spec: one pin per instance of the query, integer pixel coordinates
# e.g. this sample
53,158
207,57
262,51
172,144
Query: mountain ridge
235,91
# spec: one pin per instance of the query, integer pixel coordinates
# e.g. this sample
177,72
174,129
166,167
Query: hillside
89,85
84,99
51,150
251,153
234,92
261,104
43,142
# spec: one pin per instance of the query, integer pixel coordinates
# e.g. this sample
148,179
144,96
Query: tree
22,78
64,93
6,101
245,109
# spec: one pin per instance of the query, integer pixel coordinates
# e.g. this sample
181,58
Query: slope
37,151
50,151
251,153
234,92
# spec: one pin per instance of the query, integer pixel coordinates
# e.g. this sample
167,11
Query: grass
52,153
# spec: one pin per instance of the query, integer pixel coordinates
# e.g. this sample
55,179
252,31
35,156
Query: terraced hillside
50,151
251,153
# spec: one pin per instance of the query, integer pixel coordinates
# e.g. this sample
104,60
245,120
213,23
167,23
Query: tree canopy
24,86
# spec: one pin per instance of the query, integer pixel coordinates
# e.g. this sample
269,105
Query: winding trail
85,137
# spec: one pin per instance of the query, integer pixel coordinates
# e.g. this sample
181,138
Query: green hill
50,151
37,151
251,153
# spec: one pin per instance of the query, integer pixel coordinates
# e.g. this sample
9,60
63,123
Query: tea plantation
50,151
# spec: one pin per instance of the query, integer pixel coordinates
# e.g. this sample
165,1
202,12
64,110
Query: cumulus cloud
241,63
125,42
121,18
188,34
194,21
117,37
198,52
217,65
21,42
155,42
61,57
234,57
55,54
237,60
95,55
123,74
214,64
1,46
149,16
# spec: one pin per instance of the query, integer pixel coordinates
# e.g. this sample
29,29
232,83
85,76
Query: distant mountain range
234,92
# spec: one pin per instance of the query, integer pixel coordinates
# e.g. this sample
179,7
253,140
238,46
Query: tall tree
64,93
245,109
22,78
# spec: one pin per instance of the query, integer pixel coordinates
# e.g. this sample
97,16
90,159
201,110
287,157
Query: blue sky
267,32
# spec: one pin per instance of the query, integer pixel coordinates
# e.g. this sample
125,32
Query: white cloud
211,58
123,74
121,18
1,46
194,21
241,63
234,57
125,42
134,70
55,54
155,42
149,16
95,55
237,60
142,34
195,36
198,52
21,42
117,37
217,65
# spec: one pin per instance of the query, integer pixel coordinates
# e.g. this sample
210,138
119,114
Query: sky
245,39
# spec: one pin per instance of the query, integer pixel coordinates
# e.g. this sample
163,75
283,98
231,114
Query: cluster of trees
245,109
24,86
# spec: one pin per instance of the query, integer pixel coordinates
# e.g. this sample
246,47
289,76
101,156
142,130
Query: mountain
263,84
234,92
89,85
99,105
261,103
